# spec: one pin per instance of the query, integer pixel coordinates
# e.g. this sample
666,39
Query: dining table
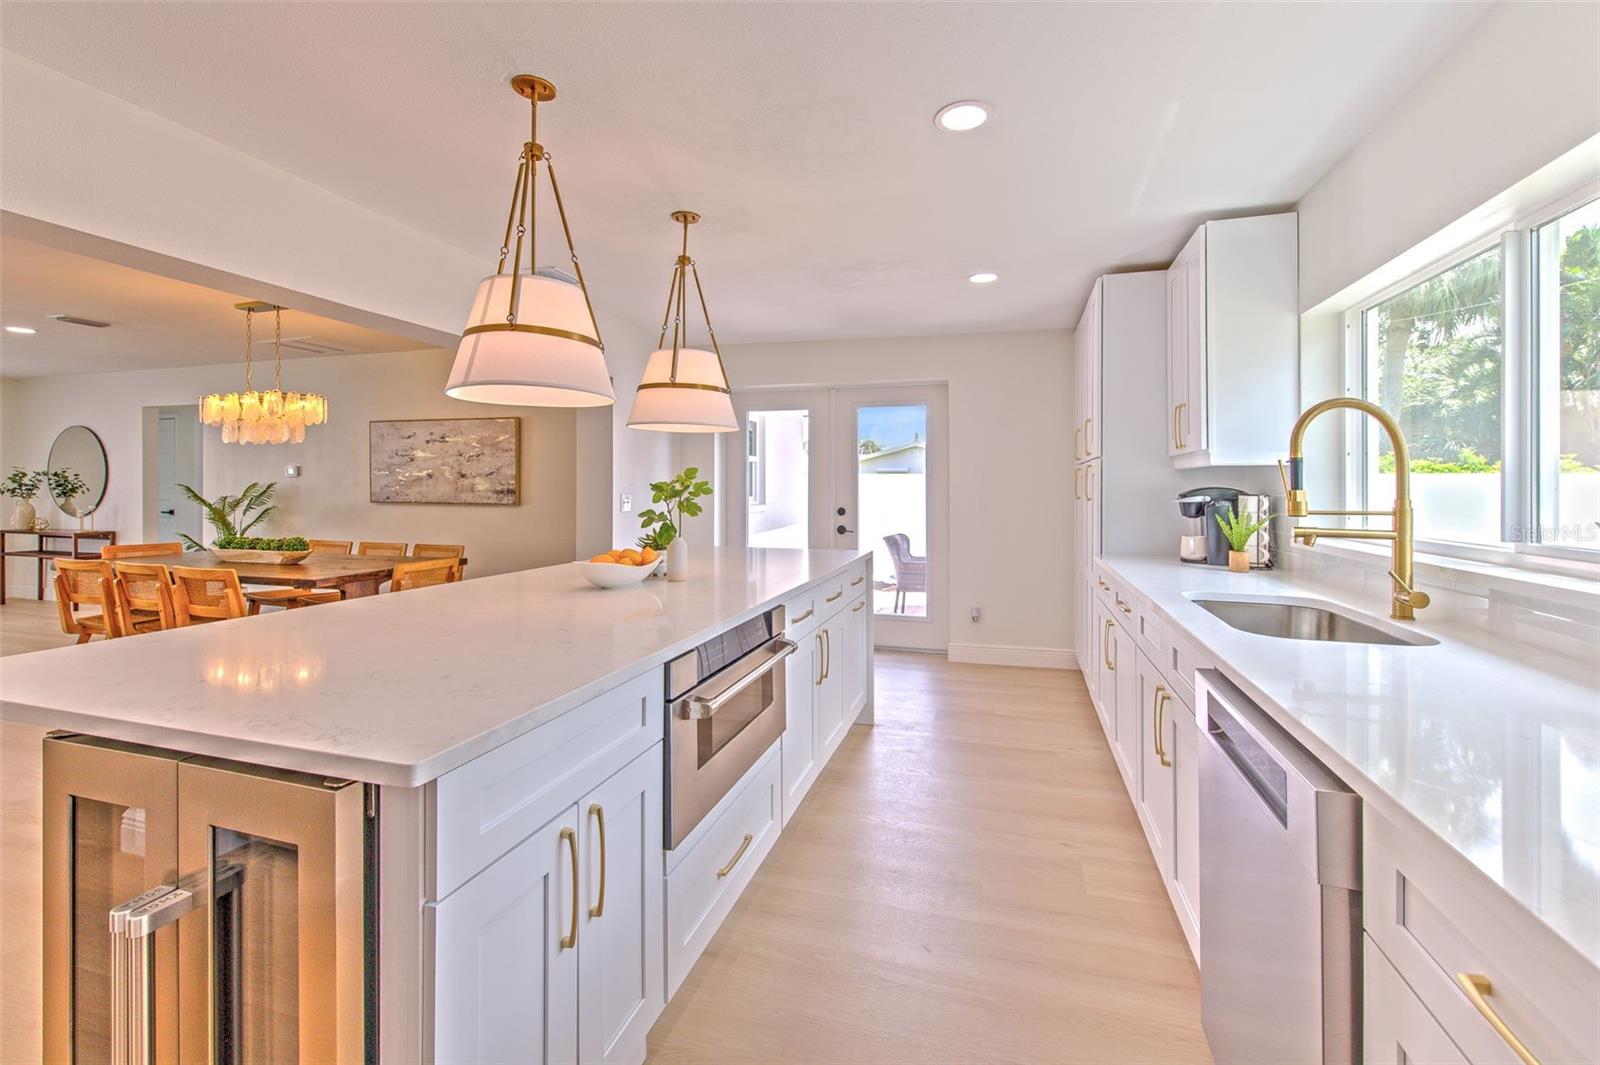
354,575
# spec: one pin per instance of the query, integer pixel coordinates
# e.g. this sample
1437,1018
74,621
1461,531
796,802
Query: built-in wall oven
725,709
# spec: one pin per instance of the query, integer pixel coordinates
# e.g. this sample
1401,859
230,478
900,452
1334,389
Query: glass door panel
892,505
255,939
108,869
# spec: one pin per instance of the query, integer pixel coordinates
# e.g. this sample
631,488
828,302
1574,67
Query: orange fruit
601,558
648,555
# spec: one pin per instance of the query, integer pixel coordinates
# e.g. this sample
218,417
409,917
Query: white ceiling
833,207
156,322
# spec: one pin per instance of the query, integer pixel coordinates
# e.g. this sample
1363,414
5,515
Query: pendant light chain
277,349
249,349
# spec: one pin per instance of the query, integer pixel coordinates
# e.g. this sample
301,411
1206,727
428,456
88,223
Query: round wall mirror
77,449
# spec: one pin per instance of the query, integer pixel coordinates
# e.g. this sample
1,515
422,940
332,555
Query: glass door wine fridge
202,910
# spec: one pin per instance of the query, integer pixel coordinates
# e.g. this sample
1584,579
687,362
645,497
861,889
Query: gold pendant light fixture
531,340
685,390
271,417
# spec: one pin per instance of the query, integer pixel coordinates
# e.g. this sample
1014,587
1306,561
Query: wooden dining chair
86,582
381,548
202,595
289,598
330,547
143,596
409,575
116,551
438,550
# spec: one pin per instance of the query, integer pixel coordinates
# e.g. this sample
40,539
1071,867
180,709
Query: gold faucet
1406,599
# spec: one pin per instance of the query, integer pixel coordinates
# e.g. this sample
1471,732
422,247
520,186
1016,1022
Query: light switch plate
625,504
291,471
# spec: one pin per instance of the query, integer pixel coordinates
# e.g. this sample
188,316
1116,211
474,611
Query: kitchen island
491,735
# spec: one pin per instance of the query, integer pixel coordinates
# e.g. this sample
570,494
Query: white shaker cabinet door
505,988
854,651
802,734
1155,790
1186,819
830,694
621,935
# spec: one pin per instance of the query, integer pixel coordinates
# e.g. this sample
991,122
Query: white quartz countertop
1494,747
397,689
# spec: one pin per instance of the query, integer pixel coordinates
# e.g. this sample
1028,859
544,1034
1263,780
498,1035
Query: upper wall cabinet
1233,343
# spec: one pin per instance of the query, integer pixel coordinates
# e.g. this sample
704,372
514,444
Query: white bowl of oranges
622,568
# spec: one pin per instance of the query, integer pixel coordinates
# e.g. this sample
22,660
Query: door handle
841,530
169,513
599,813
133,969
570,940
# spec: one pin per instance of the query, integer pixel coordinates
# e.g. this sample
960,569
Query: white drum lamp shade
698,402
550,357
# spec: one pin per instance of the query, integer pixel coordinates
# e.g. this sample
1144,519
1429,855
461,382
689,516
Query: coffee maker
1202,541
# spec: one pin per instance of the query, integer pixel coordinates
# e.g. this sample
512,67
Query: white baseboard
996,655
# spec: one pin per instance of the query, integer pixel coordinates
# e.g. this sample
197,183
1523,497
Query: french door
848,468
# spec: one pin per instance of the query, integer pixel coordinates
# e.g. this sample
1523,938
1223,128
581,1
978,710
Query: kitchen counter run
1492,747
397,689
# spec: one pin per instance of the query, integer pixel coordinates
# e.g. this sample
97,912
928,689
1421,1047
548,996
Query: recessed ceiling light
23,329
962,116
985,278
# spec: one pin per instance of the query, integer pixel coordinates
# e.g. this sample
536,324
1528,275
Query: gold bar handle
599,813
1177,439
1162,695
834,598
1088,484
1088,448
821,676
726,869
1478,989
1105,646
858,606
802,617
827,653
1184,441
1077,484
570,940
1077,444
857,581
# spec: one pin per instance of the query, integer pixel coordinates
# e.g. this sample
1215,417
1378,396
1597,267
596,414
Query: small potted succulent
1237,530
678,501
22,486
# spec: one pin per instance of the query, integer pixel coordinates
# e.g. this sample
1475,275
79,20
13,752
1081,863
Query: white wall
787,471
330,500
1519,91
1010,456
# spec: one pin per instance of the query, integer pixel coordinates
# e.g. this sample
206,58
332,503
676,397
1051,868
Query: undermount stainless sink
1289,619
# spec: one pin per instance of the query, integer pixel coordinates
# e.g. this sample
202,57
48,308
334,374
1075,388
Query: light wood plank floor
967,881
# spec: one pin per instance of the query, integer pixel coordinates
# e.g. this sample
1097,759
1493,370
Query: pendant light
531,340
685,390
272,417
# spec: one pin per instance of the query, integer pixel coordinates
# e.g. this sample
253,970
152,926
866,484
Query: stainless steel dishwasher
1280,891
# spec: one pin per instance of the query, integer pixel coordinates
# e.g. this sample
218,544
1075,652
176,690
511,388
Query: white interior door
840,468
890,494
775,466
167,478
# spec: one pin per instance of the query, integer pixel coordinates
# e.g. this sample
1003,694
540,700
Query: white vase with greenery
20,486
678,501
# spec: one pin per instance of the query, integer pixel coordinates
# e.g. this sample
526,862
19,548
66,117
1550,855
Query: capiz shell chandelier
270,417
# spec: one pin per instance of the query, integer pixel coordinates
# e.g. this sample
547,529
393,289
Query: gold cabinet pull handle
1162,695
1101,581
1124,607
827,653
570,940
1088,448
1183,438
1478,988
858,606
1088,484
726,869
1105,646
835,596
1077,444
1177,440
857,581
599,813
802,617
821,676
1077,484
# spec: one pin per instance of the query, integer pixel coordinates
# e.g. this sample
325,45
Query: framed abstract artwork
446,460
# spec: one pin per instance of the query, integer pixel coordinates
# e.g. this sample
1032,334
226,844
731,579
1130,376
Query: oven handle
702,706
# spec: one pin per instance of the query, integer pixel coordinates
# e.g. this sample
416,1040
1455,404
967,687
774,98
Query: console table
42,553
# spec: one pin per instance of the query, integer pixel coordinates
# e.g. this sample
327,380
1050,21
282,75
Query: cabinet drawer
705,881
1397,1028
480,811
1179,662
1430,919
855,578
800,615
1148,629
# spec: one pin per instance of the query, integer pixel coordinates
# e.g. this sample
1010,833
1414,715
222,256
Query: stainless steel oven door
719,730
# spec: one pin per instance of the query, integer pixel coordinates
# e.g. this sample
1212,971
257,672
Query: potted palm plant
233,516
1237,530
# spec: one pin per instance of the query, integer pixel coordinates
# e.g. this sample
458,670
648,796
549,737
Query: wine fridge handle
132,977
